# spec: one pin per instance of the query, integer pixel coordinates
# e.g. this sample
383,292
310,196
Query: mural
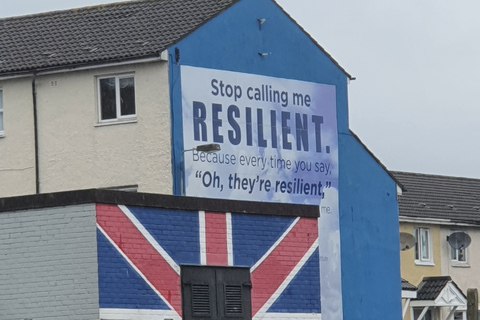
278,137
140,251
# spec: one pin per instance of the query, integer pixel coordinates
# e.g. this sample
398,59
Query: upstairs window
116,98
216,293
1,112
458,256
423,246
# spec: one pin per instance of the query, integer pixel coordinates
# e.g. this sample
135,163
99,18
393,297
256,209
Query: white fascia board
409,294
163,57
399,190
422,303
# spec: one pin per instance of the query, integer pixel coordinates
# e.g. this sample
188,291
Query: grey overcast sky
415,101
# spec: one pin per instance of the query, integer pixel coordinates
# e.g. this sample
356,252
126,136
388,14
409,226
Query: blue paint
367,194
254,235
369,235
302,295
233,40
175,230
120,286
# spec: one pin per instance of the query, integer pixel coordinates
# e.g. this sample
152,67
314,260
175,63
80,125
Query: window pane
107,99
417,247
127,96
424,244
461,254
418,311
453,254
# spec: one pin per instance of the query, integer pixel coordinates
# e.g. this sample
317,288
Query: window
423,246
216,293
460,315
116,98
428,315
458,255
1,112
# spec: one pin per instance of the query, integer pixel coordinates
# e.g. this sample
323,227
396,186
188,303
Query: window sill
424,263
460,265
2,135
111,123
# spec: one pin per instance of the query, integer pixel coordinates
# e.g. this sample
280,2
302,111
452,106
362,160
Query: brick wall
48,264
140,251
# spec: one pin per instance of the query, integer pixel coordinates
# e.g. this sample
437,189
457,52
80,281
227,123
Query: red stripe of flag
141,253
216,238
270,274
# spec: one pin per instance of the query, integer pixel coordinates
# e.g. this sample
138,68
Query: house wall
369,235
368,208
413,272
465,274
75,152
17,156
48,265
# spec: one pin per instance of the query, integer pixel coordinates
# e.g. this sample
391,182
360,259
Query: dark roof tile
430,287
113,32
439,197
408,286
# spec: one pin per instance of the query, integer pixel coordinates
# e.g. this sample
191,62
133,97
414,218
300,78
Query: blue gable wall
368,207
369,235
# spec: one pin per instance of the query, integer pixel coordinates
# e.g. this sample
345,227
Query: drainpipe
35,130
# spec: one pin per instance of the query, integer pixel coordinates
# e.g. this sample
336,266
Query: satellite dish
459,240
407,241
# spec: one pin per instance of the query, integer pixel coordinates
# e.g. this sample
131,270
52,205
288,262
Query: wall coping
114,197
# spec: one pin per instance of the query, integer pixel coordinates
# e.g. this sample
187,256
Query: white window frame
423,257
119,118
2,118
455,253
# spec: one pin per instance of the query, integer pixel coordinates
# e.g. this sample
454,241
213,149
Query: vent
201,299
233,300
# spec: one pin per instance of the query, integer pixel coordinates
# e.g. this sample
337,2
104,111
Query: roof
439,197
430,287
408,286
113,32
439,292
394,178
117,32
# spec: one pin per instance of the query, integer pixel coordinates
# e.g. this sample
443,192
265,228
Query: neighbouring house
108,115
433,209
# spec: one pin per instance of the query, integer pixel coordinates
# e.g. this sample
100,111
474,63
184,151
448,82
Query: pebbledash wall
256,37
98,254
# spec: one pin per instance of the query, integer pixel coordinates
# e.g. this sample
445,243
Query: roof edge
315,41
378,161
77,197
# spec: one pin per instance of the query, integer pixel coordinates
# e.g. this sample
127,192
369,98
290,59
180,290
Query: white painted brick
48,264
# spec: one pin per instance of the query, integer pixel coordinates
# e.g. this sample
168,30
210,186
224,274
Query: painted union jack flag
140,251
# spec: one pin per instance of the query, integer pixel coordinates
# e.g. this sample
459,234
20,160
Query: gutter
436,221
35,131
79,67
